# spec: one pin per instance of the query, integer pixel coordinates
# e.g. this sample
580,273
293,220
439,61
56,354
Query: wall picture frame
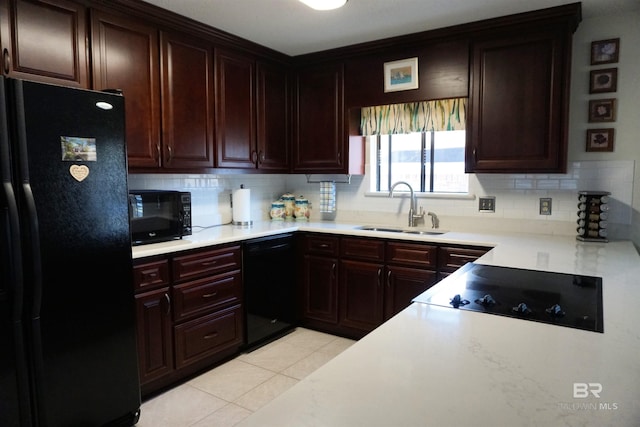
401,75
602,81
602,110
600,139
605,51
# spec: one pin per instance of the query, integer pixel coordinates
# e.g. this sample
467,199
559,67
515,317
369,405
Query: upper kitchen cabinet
235,110
187,102
443,72
125,56
252,113
321,143
519,95
273,117
45,41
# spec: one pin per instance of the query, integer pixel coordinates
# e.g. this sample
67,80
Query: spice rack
593,211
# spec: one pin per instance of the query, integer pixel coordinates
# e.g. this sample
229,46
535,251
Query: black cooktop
569,300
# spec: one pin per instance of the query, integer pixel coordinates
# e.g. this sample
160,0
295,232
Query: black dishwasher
269,291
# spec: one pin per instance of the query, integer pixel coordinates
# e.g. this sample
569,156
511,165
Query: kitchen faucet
414,217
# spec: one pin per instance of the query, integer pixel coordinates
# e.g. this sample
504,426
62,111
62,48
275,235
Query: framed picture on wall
602,110
600,139
605,51
401,75
605,80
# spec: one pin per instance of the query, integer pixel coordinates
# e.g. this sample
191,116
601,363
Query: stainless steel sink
400,230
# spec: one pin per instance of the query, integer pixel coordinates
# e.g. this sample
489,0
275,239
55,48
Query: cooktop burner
569,300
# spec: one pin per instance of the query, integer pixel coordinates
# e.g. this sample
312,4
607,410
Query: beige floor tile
265,392
307,338
276,356
227,416
178,407
337,346
304,367
231,380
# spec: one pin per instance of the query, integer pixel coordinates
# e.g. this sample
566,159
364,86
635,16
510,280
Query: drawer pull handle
212,294
323,246
152,275
211,335
209,263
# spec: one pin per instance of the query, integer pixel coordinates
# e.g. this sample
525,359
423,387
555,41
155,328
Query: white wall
517,195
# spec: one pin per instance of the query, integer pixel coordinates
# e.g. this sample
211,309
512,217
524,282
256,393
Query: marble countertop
437,366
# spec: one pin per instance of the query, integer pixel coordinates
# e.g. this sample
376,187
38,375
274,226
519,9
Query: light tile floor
227,394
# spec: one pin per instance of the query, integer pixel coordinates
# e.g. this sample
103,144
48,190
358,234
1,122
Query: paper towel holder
246,223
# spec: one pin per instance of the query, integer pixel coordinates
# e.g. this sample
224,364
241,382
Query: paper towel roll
241,213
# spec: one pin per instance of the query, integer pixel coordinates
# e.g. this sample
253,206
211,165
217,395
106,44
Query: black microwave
158,215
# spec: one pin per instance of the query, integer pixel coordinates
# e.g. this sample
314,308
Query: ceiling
290,27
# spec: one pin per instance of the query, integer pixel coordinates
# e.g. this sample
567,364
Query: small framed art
600,139
602,81
605,51
401,75
602,110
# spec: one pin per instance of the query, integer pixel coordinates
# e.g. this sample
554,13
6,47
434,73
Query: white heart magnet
79,172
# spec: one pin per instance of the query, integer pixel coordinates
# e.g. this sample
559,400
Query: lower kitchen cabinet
155,343
361,294
403,285
189,311
319,278
451,258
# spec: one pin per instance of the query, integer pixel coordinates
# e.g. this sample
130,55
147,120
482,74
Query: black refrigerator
67,315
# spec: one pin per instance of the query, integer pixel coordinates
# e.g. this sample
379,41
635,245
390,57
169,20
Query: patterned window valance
440,115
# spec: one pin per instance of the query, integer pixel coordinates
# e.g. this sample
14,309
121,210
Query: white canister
277,212
301,211
289,204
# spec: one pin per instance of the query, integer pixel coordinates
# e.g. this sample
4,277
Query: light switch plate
487,204
545,206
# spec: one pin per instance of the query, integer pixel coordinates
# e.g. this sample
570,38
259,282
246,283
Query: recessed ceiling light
324,4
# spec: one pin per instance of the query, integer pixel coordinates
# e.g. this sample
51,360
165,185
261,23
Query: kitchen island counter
437,366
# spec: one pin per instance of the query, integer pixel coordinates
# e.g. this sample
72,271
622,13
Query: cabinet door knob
254,156
261,157
158,152
6,61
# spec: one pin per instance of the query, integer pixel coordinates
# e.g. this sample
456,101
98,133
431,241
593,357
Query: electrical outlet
545,206
487,204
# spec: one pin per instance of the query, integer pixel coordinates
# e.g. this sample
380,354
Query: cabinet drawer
206,263
207,335
151,274
320,245
451,258
364,249
205,295
411,254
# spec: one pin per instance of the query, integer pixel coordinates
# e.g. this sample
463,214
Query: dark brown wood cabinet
273,123
319,278
125,56
319,143
154,326
235,110
45,41
189,312
252,113
361,283
187,102
451,258
411,269
519,98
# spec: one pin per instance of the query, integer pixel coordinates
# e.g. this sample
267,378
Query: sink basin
400,230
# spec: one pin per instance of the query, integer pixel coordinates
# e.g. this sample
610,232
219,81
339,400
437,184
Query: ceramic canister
289,204
277,212
302,209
